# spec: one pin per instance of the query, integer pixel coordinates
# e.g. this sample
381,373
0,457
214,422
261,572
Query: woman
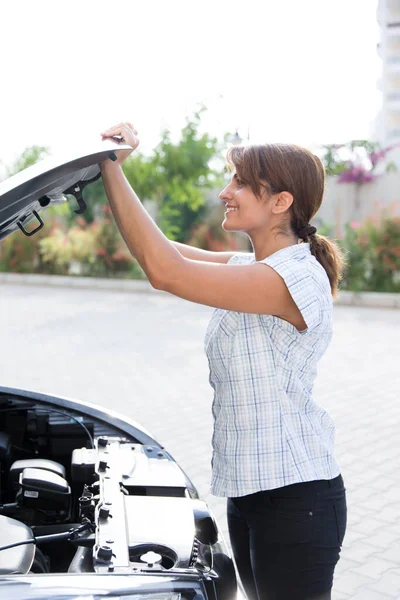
272,445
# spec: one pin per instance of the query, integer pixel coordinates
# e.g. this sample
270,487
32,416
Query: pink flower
355,225
355,174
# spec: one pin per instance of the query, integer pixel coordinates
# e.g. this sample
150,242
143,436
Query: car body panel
45,183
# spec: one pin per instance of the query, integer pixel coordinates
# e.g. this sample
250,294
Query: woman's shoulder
299,264
307,282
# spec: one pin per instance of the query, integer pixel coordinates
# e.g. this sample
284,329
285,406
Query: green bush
63,250
93,250
111,257
373,255
21,254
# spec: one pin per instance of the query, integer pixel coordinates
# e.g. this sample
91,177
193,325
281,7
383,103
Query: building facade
387,125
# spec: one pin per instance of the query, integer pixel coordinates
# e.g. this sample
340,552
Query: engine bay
79,496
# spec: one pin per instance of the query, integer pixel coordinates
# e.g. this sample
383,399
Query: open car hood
24,195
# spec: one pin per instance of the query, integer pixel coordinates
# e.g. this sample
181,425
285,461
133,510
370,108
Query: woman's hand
123,133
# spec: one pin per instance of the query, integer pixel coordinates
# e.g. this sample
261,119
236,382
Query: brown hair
276,168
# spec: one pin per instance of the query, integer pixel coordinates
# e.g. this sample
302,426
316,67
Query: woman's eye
239,182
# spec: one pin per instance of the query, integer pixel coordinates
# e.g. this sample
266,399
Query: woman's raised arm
199,254
253,288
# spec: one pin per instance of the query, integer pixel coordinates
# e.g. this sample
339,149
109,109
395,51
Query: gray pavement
142,355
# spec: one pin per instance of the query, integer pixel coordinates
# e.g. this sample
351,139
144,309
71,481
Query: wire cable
21,543
54,537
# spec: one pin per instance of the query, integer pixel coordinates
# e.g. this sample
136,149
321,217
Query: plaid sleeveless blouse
268,430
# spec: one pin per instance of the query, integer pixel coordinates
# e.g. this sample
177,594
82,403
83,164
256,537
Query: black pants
286,542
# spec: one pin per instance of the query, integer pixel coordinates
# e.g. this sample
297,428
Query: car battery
34,463
43,490
83,465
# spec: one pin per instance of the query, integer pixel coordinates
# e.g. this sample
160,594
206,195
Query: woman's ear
282,202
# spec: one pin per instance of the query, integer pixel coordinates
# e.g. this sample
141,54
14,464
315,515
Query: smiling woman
272,444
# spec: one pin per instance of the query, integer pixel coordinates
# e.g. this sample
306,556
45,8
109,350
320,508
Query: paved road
142,354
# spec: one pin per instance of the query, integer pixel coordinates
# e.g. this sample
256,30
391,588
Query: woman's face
244,211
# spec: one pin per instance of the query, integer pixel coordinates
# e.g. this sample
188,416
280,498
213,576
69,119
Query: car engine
118,506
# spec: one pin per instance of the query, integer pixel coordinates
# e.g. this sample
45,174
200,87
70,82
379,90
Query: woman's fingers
118,129
113,131
123,133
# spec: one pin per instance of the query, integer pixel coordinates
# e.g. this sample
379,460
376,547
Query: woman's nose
225,193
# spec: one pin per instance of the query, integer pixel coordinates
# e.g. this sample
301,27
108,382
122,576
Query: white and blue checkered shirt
268,431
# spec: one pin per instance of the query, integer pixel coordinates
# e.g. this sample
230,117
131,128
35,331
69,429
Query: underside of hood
25,195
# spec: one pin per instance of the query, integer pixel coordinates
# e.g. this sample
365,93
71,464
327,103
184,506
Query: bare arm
254,288
194,253
199,254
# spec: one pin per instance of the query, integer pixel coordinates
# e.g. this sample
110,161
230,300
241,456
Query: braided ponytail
329,255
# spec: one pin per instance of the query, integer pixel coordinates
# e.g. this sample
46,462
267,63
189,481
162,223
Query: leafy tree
29,157
175,177
95,197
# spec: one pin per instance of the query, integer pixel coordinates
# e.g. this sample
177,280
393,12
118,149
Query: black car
91,505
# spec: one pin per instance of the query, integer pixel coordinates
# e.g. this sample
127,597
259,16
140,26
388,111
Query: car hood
26,194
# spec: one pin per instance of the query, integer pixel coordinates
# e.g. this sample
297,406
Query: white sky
303,71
